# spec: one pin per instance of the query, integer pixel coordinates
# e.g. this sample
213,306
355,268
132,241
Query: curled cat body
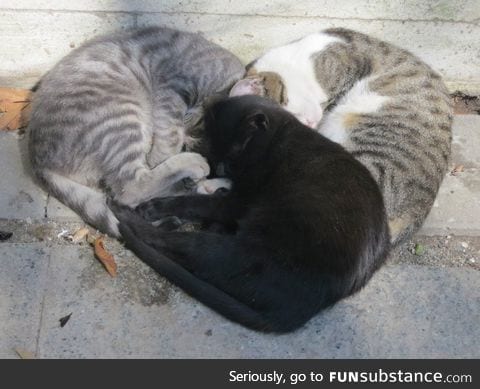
382,103
114,116
302,227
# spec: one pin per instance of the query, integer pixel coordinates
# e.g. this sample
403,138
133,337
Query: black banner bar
240,373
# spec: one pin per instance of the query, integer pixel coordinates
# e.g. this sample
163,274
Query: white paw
191,165
211,186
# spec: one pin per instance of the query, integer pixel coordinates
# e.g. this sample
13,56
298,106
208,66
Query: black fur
305,224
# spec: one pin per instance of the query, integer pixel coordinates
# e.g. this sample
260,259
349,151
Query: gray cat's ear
258,120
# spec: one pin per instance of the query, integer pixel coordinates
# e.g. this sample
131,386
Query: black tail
206,293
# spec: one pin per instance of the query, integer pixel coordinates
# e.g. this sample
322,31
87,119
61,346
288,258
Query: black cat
303,226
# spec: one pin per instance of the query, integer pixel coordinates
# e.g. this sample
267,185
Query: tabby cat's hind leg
168,128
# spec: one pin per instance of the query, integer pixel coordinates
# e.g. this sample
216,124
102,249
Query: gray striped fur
114,115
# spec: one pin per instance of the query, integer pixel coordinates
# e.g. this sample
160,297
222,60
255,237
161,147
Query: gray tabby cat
386,106
114,115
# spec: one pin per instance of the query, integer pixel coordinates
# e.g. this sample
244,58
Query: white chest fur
358,100
294,63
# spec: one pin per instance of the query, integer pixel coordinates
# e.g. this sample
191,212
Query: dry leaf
64,320
14,108
105,257
78,235
91,238
24,354
457,169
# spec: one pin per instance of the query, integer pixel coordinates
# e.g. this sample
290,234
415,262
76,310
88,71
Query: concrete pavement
37,33
425,306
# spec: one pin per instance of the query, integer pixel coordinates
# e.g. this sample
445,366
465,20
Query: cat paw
189,165
193,165
168,223
151,211
215,184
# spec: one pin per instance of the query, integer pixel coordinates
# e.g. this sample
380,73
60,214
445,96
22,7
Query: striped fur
386,106
114,115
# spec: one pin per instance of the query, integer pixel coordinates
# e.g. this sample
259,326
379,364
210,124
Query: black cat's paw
222,191
151,210
168,223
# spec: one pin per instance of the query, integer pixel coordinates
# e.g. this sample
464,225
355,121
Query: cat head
240,130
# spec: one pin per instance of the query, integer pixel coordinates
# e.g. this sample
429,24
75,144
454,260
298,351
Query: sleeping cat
113,116
303,226
383,104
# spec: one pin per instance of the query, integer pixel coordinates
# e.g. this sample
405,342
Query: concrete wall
446,34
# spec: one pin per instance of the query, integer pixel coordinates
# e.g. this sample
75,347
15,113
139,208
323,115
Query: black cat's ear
258,120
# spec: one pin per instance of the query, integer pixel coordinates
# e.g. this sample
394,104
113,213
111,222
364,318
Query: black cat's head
240,130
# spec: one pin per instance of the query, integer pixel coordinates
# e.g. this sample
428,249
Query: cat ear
258,120
283,95
248,86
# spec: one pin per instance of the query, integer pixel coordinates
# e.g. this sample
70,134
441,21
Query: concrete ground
36,34
417,306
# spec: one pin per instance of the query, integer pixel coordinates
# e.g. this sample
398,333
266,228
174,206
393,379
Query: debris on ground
443,251
5,235
84,234
105,257
14,108
24,354
419,249
62,234
79,235
43,232
64,320
464,104
56,233
457,169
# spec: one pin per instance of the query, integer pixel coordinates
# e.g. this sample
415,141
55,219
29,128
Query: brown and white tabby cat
114,115
383,104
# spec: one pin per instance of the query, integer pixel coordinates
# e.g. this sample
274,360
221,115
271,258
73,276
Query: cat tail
204,292
89,203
